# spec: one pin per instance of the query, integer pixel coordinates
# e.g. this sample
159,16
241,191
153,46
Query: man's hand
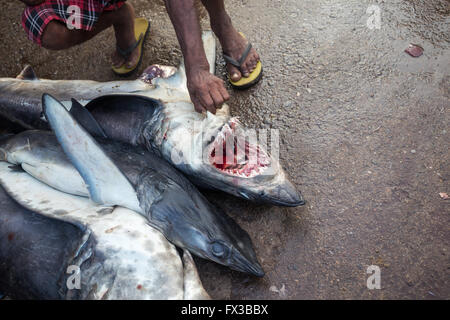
31,3
206,90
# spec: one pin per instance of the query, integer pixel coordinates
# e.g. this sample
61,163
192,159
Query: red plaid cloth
36,18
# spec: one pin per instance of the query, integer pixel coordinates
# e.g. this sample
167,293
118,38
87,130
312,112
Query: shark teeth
226,149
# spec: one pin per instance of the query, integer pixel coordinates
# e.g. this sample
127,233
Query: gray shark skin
27,236
118,255
114,173
156,112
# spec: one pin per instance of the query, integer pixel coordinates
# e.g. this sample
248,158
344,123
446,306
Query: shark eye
218,249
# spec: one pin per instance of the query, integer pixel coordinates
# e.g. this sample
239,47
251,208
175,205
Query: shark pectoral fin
105,182
85,118
193,288
39,197
68,181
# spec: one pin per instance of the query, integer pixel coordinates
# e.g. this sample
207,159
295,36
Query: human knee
57,36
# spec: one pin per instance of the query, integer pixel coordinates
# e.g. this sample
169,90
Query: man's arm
206,90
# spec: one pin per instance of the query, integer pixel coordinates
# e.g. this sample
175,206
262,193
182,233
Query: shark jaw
236,155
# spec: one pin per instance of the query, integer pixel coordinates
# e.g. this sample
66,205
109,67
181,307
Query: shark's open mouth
237,153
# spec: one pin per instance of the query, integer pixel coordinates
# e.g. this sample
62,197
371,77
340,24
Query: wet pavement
364,135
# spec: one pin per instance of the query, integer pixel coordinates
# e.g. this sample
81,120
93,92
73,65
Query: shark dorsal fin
27,74
105,181
85,118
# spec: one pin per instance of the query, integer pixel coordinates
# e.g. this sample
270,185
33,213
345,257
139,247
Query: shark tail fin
106,183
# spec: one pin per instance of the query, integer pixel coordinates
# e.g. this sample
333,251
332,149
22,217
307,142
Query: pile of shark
98,192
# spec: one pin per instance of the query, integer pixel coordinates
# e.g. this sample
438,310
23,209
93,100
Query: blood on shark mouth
235,154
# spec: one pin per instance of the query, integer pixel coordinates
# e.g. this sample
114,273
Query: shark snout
256,270
247,264
284,194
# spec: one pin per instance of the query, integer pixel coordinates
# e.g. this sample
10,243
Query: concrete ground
364,135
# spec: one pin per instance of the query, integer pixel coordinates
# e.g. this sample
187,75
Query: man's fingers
207,92
198,106
224,93
217,97
208,103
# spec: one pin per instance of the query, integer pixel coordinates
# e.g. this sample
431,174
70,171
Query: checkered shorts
76,14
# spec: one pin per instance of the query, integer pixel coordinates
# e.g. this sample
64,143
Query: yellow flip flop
141,29
254,76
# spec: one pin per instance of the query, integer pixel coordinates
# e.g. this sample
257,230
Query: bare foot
124,31
118,60
234,45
